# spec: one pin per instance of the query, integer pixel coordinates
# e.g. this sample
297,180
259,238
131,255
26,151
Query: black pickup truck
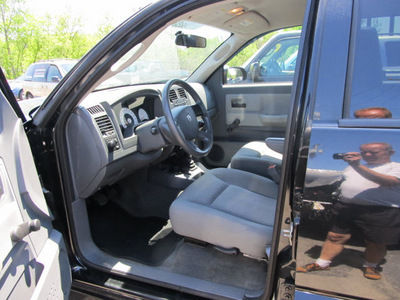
221,183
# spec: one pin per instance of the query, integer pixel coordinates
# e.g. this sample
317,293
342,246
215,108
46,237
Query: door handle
238,103
22,230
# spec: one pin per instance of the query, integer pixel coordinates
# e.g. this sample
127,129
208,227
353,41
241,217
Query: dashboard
136,109
115,132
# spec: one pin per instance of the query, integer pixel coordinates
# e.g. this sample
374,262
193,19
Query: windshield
68,66
174,61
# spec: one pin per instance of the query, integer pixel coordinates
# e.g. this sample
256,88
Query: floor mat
211,265
119,234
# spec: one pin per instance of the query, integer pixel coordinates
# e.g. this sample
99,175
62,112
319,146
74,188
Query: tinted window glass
53,72
29,73
39,73
270,58
375,64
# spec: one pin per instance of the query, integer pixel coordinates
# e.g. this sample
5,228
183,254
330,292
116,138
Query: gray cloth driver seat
228,208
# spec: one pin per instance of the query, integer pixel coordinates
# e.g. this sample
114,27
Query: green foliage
25,39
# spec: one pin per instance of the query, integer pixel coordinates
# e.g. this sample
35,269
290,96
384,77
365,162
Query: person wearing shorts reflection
369,202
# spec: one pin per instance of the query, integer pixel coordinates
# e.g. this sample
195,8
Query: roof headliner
260,15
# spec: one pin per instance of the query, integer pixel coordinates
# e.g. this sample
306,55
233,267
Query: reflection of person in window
372,113
370,201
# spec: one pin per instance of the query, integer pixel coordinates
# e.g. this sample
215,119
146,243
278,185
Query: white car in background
42,77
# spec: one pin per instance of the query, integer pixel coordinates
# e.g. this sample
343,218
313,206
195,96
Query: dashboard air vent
95,109
105,125
172,95
182,93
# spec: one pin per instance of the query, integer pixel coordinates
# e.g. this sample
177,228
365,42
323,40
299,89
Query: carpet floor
119,234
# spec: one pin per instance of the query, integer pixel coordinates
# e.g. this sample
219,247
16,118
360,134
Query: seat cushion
256,157
228,208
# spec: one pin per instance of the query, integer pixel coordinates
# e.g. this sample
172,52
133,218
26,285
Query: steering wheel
194,137
273,67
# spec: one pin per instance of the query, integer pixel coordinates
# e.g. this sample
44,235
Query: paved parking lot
347,274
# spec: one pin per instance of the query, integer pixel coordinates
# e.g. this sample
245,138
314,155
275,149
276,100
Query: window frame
274,79
346,120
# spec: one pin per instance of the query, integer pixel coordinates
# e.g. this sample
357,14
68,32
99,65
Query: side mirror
189,40
55,79
33,111
234,75
255,71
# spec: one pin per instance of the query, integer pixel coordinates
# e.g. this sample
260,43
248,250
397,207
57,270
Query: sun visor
247,23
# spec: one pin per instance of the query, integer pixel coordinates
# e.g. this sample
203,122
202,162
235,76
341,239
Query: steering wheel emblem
189,117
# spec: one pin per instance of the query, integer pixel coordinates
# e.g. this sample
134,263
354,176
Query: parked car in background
16,87
274,61
391,63
129,190
41,77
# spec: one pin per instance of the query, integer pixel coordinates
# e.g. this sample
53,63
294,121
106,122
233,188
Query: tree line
25,39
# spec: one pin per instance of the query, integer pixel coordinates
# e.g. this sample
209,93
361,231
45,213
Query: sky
92,12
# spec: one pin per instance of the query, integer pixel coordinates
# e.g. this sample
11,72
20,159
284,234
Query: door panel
15,257
253,93
247,112
261,109
258,110
349,217
33,253
325,188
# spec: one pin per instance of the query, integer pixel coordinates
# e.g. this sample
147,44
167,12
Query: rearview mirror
190,40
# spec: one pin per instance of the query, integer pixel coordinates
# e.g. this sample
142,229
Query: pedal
100,199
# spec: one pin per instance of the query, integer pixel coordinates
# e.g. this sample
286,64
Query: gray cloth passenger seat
256,157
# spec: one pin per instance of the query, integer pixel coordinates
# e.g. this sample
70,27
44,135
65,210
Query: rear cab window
39,73
29,73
